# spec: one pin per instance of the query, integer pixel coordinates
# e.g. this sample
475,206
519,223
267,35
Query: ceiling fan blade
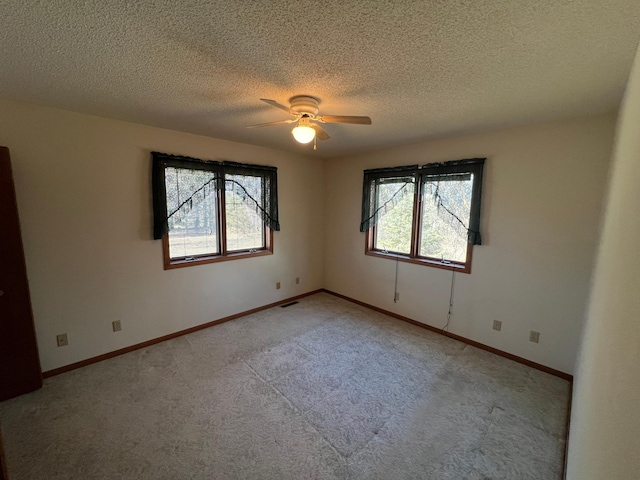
273,103
320,133
344,119
268,124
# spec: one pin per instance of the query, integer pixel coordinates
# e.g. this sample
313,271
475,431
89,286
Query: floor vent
288,304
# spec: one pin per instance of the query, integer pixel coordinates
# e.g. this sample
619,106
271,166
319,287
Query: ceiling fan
304,109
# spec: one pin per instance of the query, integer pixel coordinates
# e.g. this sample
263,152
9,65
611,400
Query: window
426,214
206,211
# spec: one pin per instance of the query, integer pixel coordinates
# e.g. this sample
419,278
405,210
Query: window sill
457,267
179,263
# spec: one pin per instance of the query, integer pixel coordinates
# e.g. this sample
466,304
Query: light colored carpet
324,389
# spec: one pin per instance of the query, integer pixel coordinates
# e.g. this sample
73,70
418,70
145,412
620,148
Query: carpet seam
295,410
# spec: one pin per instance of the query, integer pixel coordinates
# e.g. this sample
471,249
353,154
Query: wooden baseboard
148,343
115,353
468,341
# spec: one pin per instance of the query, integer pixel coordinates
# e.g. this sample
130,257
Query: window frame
223,169
414,256
223,256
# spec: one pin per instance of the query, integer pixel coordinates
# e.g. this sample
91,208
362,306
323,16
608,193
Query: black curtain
406,176
431,172
266,206
456,170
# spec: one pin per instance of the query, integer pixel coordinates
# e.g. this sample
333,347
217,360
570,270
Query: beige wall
84,199
83,188
605,423
541,211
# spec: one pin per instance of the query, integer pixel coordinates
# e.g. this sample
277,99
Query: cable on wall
395,287
453,282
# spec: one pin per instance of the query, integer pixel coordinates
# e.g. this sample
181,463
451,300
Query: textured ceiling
419,69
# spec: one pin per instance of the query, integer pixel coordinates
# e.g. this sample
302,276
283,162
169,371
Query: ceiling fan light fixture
304,110
303,133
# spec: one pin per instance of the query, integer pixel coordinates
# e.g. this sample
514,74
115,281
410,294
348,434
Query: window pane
193,227
443,236
245,228
393,230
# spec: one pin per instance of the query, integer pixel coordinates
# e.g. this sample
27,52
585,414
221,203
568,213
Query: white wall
83,188
542,199
605,422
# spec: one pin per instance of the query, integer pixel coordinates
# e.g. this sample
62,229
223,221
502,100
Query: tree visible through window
194,231
245,229
212,211
444,235
428,214
393,232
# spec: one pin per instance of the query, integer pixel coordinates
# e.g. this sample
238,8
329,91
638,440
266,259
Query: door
19,363
3,466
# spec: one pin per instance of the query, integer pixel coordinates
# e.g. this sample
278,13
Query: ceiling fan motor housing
305,104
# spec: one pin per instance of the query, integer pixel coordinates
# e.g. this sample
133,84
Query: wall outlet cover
62,340
497,325
117,326
277,285
534,337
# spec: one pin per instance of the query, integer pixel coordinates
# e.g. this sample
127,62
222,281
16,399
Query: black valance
430,174
404,177
460,170
221,175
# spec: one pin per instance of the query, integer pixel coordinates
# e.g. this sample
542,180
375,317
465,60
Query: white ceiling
419,69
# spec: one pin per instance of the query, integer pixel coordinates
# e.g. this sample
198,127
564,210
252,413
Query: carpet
323,389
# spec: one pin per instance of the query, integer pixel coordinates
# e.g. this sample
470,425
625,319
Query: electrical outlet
117,326
62,340
534,336
397,297
277,285
497,325
297,280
